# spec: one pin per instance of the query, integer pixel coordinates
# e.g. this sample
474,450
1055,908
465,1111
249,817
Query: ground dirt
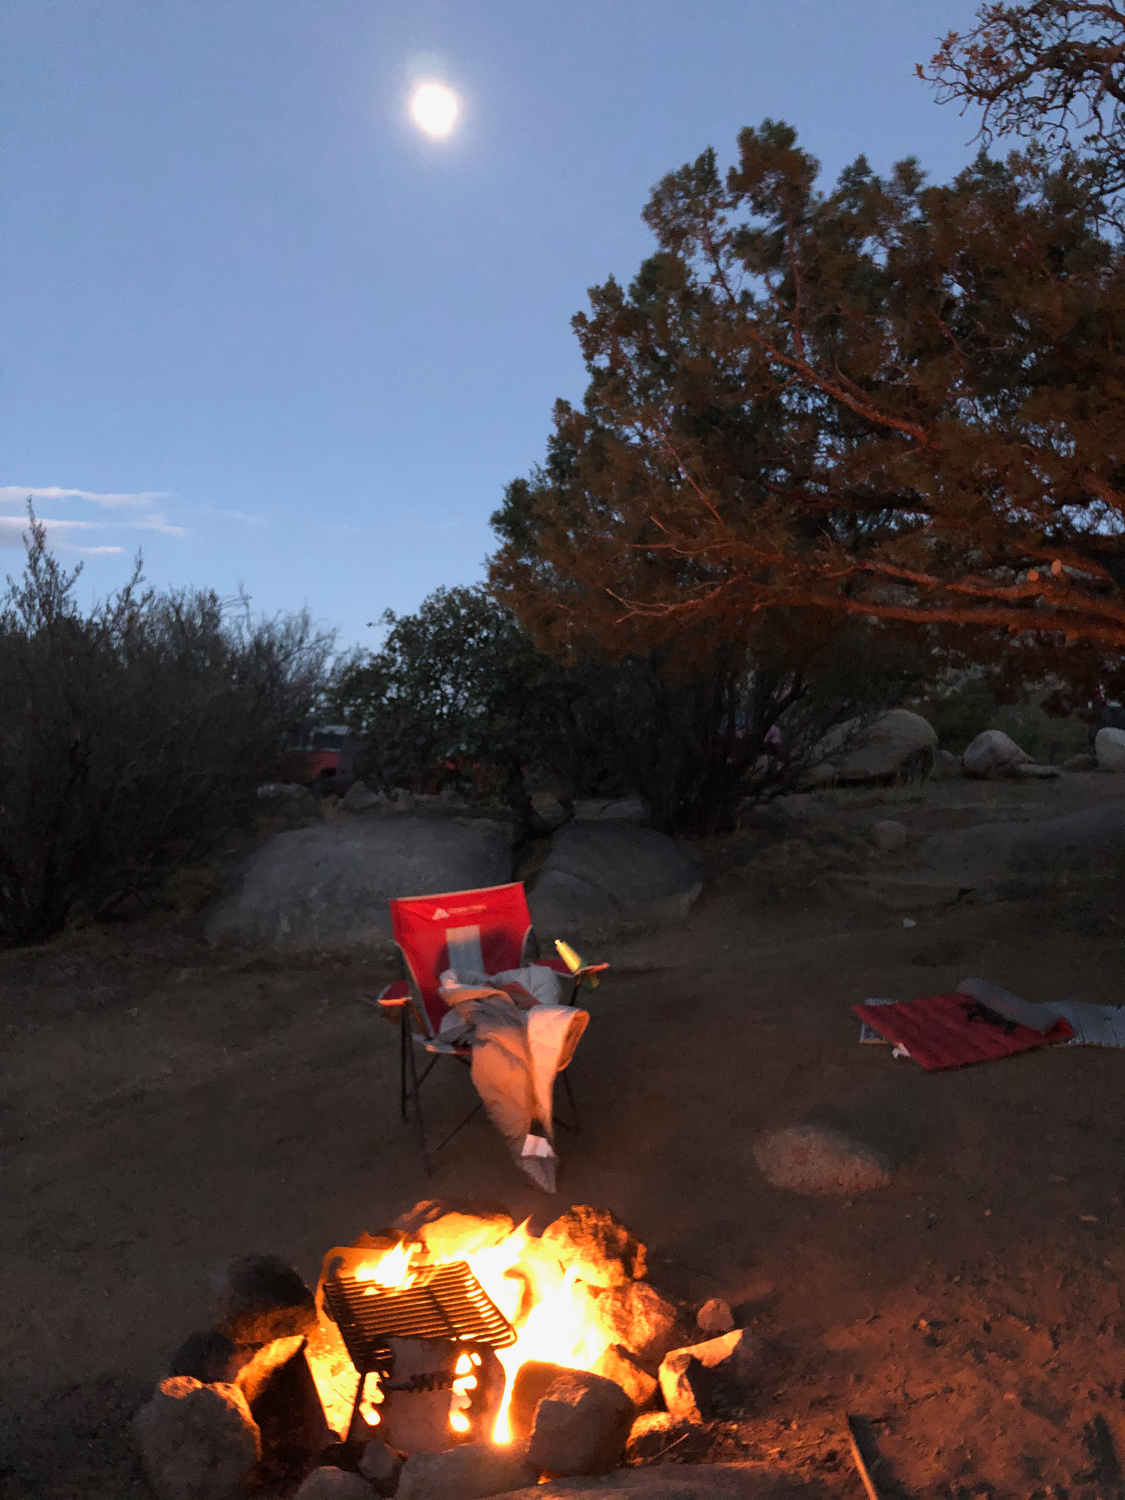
164,1106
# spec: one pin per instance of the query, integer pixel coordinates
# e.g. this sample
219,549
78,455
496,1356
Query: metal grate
442,1302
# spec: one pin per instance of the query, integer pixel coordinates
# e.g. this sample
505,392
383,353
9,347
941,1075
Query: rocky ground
166,1105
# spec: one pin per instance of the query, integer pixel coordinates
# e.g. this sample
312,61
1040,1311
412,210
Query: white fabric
518,1050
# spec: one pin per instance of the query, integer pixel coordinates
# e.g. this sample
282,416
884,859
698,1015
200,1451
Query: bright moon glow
434,108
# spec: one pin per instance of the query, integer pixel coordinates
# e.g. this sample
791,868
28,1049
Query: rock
381,1466
284,1402
715,1316
638,1318
1109,748
328,886
1033,772
329,1483
1081,762
357,797
994,753
470,1472
255,1374
265,1300
890,835
624,809
947,765
609,871
814,1159
618,1365
689,1377
653,1434
580,1426
601,1249
895,744
283,791
534,1379
548,810
1084,841
208,1357
198,1442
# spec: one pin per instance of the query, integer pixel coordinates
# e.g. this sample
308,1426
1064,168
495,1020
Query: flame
392,1270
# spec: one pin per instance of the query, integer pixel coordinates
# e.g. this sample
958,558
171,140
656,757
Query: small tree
133,736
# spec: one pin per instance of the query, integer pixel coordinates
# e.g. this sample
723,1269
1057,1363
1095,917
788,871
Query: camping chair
484,931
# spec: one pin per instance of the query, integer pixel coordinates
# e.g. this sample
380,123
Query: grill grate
443,1302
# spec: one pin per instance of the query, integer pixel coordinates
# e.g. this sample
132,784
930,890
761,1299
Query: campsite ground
165,1106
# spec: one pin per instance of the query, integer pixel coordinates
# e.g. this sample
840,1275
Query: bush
133,736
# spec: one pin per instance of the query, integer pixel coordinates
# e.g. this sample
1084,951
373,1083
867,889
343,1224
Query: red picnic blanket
948,1031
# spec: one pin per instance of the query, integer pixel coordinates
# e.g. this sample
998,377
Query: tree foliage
1053,70
133,735
886,401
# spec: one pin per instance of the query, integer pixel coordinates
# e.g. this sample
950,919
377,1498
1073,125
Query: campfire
452,1335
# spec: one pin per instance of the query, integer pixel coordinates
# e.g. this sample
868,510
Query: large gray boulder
610,870
328,886
993,851
896,743
994,753
1109,748
198,1442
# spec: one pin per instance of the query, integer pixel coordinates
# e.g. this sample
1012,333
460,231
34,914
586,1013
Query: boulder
1109,748
814,1159
581,1425
328,886
618,1365
890,835
993,753
1084,841
357,798
198,1442
596,1244
610,870
534,1379
715,1317
689,1378
471,1472
653,1434
894,744
330,1483
210,1358
637,1317
265,1299
624,809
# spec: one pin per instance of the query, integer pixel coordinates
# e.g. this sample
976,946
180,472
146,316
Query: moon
434,108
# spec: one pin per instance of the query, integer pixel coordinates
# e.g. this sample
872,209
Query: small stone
653,1434
890,835
265,1300
470,1472
618,1365
381,1466
1080,762
198,1442
715,1317
329,1483
580,1426
357,798
815,1159
597,1245
1109,748
638,1318
688,1377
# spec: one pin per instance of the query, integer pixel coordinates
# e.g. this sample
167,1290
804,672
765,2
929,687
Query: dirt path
164,1107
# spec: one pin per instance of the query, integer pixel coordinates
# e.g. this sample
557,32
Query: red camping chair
483,931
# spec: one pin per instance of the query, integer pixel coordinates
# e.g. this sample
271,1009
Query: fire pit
450,1329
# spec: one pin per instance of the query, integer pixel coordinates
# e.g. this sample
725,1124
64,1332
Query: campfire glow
552,1313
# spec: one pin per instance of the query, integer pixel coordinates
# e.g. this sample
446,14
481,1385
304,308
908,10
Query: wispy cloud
240,515
136,507
20,494
158,523
12,528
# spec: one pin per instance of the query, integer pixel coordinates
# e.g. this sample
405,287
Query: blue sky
256,323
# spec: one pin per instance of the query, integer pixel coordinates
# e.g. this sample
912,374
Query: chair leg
574,1125
403,1047
416,1096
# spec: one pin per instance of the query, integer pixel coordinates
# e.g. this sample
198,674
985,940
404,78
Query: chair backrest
483,931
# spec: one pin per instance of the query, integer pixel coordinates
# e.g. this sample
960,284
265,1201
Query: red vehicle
326,764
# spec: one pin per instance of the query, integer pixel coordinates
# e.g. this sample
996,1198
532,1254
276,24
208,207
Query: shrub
133,735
